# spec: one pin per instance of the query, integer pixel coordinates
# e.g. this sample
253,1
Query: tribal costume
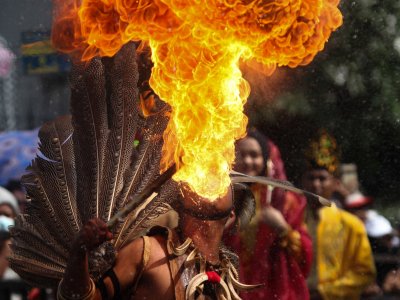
191,272
97,147
91,171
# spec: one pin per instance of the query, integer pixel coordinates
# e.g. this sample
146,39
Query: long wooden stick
150,190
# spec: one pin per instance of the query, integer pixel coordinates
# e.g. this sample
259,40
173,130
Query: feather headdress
323,152
89,167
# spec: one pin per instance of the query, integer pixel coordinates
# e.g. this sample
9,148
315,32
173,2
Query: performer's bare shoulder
142,268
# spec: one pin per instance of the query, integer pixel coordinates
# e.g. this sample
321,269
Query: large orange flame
196,48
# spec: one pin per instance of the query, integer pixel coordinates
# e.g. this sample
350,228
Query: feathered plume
89,167
237,177
244,203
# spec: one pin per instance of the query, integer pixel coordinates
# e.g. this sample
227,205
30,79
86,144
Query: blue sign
38,55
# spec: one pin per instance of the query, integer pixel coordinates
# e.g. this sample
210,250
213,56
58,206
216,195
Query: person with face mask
274,249
8,204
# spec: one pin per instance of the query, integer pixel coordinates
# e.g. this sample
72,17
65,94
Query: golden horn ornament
191,258
241,286
228,270
235,295
232,268
220,294
226,277
200,289
180,250
203,265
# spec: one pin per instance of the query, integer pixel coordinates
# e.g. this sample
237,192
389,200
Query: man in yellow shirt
343,261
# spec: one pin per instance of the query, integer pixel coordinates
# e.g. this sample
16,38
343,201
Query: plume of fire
196,48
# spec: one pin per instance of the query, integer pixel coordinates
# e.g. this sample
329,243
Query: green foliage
352,89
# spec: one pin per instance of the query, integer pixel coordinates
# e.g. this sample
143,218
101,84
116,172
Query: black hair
244,204
313,165
263,142
14,185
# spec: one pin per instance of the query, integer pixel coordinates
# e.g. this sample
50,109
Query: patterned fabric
264,258
17,149
345,264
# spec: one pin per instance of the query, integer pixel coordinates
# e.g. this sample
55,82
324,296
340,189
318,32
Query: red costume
268,258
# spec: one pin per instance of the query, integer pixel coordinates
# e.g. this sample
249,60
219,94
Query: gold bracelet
89,294
291,240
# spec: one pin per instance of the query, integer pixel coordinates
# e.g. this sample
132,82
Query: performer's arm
77,282
291,230
274,219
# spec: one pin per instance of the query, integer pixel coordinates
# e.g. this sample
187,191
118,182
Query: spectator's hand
372,290
93,234
274,218
391,284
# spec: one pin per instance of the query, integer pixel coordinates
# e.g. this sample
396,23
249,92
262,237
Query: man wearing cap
343,263
385,247
8,204
384,242
8,211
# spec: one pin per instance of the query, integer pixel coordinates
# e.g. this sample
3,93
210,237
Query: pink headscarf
6,60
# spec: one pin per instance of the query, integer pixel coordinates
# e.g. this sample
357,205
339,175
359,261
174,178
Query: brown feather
123,108
147,166
88,167
89,119
137,224
54,195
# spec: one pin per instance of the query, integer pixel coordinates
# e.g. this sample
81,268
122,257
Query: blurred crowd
13,202
294,245
301,249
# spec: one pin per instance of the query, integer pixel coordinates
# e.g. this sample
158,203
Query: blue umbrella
17,149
